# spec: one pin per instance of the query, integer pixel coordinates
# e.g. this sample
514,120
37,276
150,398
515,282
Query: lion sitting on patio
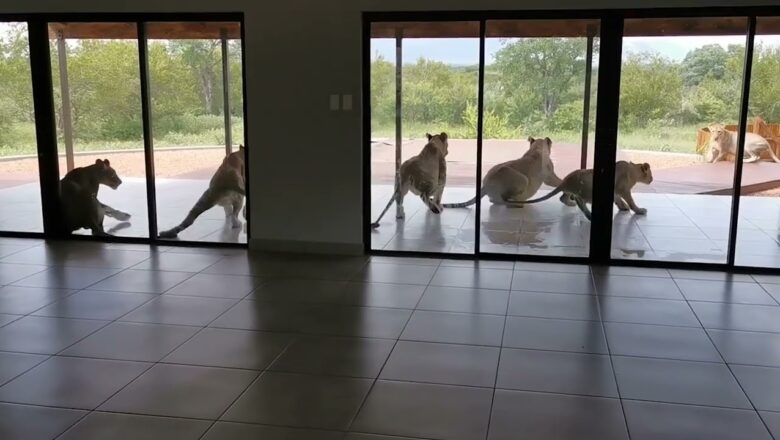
723,142
511,183
226,188
78,195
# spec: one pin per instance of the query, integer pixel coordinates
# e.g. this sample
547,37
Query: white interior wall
305,163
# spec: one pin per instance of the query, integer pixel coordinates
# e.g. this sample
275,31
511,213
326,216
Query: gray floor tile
647,311
634,286
218,286
749,348
541,416
66,277
397,273
14,364
101,426
661,380
630,271
652,420
773,289
6,319
737,316
23,422
215,347
554,305
762,385
24,300
404,296
335,356
89,304
242,431
556,372
772,421
362,436
181,391
479,278
10,273
442,363
476,264
38,334
299,290
141,281
365,322
71,382
456,328
178,262
554,334
708,275
725,291
581,283
551,267
132,341
424,410
464,300
180,310
682,343
303,401
261,315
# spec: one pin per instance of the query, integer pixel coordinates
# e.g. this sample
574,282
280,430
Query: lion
78,195
510,183
578,186
723,142
424,175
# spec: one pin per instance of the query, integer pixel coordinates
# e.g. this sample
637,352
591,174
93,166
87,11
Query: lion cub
510,183
578,185
78,195
424,175
723,142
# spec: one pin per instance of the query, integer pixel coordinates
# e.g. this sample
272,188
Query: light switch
334,102
346,102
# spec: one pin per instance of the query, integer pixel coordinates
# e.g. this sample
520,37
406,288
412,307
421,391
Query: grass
673,139
19,140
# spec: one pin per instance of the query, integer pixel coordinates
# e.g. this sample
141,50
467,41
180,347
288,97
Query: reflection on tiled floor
111,341
676,228
175,197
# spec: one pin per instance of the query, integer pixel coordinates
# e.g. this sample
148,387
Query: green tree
536,75
204,59
650,89
708,61
765,84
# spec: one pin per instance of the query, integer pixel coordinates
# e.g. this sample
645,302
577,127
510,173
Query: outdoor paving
22,210
678,227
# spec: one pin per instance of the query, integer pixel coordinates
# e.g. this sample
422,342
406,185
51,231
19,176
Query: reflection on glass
195,76
537,77
679,79
97,92
438,77
758,230
20,194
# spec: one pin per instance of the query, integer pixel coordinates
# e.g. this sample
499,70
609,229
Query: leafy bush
493,126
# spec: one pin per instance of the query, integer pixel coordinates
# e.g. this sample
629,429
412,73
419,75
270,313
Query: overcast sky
465,51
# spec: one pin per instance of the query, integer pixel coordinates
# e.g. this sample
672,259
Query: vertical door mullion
146,116
607,109
480,120
741,134
45,126
246,132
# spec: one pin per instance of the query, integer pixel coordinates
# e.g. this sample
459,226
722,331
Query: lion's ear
531,139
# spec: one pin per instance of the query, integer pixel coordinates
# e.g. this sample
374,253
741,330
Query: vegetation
185,82
535,87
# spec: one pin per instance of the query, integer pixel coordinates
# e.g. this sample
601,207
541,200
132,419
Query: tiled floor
692,227
127,342
175,197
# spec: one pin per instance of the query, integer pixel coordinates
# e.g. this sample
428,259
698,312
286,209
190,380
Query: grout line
731,371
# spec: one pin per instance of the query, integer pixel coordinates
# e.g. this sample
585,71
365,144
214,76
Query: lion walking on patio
226,188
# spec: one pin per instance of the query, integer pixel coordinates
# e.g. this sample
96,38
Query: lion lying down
78,194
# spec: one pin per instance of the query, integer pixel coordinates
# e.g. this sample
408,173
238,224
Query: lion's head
643,172
540,145
718,133
439,141
106,175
